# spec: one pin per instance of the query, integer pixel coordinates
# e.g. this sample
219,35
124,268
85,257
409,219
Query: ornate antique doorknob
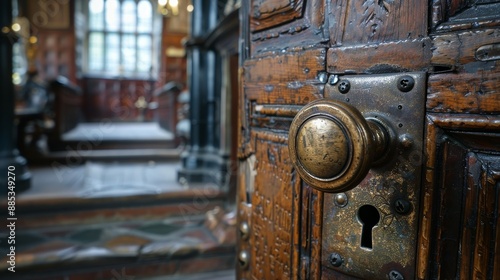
333,146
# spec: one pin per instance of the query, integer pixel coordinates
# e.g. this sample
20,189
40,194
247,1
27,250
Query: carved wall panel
266,13
461,198
293,22
116,99
371,21
274,199
464,14
56,54
291,63
284,214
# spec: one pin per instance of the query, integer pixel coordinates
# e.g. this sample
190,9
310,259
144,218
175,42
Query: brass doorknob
332,145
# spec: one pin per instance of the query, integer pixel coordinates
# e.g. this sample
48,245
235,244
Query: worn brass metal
323,147
244,259
392,184
341,199
244,230
333,146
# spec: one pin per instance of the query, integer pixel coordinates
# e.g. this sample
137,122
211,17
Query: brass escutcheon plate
397,178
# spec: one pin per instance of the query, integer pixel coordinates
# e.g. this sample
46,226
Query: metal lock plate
372,228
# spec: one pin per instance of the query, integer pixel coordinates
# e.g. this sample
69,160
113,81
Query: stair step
96,220
133,247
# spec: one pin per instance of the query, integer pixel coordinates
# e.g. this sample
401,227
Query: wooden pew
166,97
67,102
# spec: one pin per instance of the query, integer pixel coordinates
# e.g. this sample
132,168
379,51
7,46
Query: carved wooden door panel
369,141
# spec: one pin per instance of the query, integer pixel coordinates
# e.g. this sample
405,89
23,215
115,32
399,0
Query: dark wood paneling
172,68
454,15
67,109
302,23
56,54
115,99
459,205
111,98
368,21
462,199
285,214
459,50
474,85
298,66
378,31
380,57
266,13
465,93
457,46
275,200
52,23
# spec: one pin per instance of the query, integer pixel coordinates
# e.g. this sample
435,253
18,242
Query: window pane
96,14
144,53
128,53
128,16
119,36
96,51
112,55
112,15
145,10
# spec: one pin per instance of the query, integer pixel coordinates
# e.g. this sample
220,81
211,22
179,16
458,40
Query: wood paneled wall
53,22
115,98
173,67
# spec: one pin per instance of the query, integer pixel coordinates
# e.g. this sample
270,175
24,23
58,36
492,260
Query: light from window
120,37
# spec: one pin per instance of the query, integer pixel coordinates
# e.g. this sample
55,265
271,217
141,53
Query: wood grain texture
315,239
426,202
459,49
110,98
243,129
458,233
438,8
474,85
458,15
172,68
285,238
276,201
55,54
458,236
267,13
303,25
371,21
300,67
337,21
465,93
399,56
287,93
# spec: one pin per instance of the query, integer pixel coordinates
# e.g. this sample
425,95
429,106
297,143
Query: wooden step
136,248
111,191
96,220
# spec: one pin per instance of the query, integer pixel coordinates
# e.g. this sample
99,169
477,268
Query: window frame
155,35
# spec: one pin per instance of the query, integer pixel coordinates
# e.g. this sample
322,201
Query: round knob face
322,147
332,146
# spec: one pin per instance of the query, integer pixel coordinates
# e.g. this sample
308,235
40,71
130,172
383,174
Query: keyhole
369,217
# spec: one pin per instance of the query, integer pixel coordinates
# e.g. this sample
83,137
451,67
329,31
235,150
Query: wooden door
369,140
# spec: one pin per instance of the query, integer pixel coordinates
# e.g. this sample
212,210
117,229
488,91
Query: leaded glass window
120,37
